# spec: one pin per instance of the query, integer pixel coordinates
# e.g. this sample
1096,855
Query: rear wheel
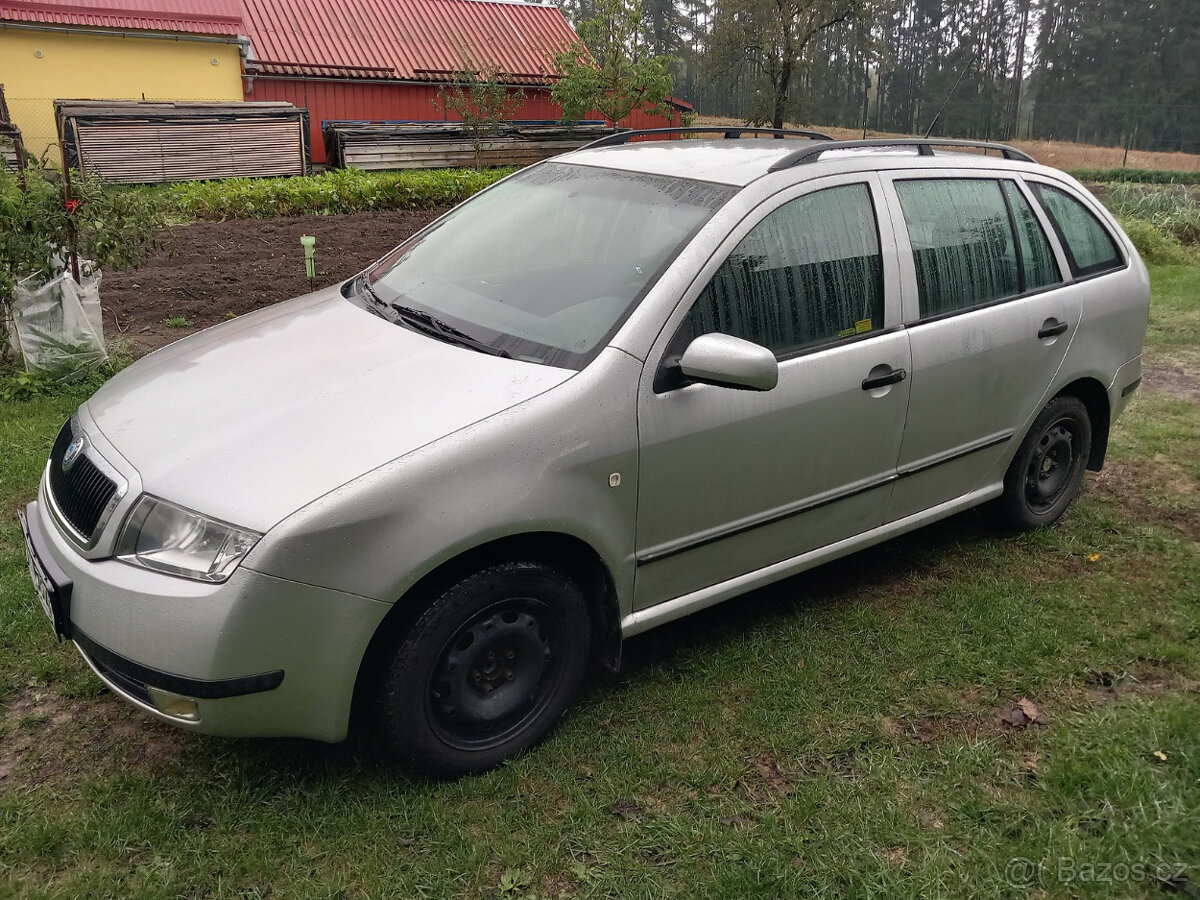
487,670
1045,475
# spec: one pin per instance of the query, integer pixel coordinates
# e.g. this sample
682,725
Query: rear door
989,325
732,481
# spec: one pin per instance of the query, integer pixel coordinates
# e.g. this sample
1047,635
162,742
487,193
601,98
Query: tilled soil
210,271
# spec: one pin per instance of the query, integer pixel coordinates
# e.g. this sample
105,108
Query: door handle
884,380
1051,328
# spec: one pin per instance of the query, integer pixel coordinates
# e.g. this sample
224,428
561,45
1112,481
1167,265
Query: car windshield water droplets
546,265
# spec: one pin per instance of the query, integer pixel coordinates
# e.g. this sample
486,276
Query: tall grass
1163,221
1142,176
1170,207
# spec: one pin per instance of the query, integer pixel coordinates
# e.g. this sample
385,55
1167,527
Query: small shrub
178,321
18,386
331,193
1155,245
113,226
22,386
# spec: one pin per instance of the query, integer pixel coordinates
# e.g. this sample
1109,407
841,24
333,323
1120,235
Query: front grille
83,493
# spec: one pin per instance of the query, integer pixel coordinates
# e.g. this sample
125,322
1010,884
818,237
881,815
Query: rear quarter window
1089,246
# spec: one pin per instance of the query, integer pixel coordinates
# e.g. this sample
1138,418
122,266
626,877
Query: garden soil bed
208,272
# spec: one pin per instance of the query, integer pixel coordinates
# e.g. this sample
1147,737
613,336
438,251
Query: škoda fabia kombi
616,387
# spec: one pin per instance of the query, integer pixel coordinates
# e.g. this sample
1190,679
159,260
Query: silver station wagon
614,388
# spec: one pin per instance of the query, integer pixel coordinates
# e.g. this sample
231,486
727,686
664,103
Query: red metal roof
223,17
410,40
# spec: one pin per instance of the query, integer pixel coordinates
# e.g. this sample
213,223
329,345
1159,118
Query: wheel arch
1094,397
567,552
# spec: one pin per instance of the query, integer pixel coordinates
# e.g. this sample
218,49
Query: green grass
1174,331
834,735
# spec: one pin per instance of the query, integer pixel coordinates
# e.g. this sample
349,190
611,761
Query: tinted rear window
1090,248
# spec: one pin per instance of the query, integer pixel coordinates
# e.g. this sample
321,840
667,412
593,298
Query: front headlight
168,538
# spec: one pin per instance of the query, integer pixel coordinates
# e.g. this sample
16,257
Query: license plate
43,585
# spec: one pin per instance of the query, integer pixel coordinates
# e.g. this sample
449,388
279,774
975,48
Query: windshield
546,265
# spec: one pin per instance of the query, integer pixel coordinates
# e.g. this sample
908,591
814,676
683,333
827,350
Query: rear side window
1090,248
810,272
1038,266
962,243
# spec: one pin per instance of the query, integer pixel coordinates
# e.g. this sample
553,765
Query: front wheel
487,670
1045,475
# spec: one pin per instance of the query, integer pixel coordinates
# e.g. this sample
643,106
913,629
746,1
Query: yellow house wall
106,67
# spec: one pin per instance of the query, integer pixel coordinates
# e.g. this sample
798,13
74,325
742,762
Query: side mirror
728,361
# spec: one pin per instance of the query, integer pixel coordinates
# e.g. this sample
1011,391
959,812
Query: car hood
252,419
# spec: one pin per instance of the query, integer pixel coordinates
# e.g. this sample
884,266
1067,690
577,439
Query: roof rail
812,152
730,131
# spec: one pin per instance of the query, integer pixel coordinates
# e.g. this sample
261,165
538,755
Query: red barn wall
331,99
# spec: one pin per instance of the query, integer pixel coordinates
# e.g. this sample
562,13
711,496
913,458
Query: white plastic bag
54,332
89,297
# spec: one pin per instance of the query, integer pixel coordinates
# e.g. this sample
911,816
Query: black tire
487,670
1045,475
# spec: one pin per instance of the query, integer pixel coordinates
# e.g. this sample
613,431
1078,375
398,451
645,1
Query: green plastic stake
309,243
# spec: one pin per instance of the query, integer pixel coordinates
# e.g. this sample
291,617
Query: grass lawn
838,734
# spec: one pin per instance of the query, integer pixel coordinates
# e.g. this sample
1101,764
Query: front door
732,481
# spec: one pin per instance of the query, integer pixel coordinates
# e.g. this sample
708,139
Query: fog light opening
175,706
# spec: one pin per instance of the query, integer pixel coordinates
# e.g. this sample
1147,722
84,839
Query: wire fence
35,118
1147,127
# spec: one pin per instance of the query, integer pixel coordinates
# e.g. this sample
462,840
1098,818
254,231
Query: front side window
808,274
546,265
962,243
1090,248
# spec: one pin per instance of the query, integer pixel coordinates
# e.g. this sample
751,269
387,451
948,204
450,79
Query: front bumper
256,656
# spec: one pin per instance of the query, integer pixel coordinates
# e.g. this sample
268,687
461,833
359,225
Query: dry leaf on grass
1023,714
1031,711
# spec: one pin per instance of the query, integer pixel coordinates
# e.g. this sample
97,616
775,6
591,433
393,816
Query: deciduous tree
770,37
477,94
612,68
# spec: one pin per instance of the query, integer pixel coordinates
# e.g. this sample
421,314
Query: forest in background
1105,72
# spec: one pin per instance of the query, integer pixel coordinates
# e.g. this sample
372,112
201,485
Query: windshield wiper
435,327
428,324
363,282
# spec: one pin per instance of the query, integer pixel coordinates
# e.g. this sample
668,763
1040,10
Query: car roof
738,162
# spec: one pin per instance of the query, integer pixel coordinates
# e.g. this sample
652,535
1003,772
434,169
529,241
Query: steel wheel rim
1052,466
496,674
